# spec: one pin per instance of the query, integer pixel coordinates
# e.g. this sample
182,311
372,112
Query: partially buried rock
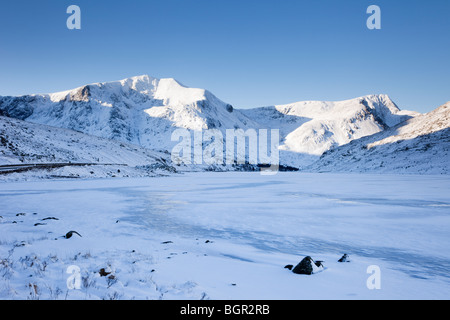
318,263
289,266
49,218
344,258
103,272
308,266
70,234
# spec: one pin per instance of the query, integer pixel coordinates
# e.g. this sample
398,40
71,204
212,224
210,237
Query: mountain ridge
144,111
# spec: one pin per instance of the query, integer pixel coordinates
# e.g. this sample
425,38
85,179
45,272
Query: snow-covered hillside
24,142
145,111
310,128
419,145
140,110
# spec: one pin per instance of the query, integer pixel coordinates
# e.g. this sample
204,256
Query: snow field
226,236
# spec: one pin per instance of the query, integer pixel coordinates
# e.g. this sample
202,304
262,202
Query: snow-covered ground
226,236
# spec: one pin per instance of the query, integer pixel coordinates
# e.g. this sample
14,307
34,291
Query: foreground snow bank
225,236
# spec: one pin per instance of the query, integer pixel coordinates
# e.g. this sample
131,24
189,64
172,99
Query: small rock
344,258
166,242
318,263
21,244
103,272
49,218
289,266
70,234
39,224
307,266
21,214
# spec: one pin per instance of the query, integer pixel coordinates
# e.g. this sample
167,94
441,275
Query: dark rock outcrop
308,266
344,258
70,234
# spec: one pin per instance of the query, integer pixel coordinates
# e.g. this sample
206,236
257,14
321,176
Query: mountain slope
23,142
419,145
310,128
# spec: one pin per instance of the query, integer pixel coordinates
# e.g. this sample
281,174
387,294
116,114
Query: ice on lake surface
403,219
400,220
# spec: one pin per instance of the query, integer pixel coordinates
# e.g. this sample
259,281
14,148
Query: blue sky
249,53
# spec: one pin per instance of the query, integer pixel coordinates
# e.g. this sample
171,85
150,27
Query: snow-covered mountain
310,128
139,110
419,145
23,142
145,111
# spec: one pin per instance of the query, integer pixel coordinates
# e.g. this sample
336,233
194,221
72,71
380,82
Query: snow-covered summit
153,88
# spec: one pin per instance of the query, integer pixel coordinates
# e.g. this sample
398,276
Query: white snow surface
227,236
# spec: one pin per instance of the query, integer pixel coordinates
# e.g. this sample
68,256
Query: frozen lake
402,219
401,222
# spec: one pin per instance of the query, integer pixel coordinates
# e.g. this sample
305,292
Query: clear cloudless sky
249,53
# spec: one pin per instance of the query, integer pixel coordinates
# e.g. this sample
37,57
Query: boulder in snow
308,266
344,258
